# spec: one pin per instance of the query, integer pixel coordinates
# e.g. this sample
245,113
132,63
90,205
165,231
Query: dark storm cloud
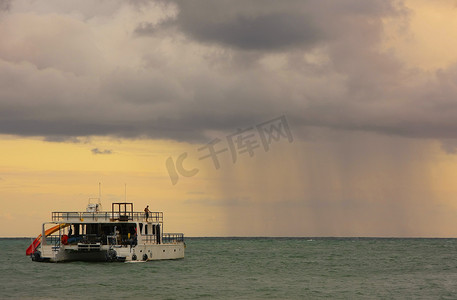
264,32
266,25
239,63
69,131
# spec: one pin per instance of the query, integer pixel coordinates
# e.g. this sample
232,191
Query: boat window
141,228
146,229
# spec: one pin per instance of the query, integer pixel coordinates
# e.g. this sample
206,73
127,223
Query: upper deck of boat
106,216
120,212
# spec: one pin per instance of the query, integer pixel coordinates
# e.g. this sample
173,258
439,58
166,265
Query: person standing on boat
147,211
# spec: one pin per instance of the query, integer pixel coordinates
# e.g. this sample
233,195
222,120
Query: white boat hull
110,253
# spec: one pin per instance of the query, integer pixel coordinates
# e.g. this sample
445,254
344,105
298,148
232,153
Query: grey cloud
449,146
146,28
267,25
98,151
265,32
66,131
85,9
5,5
62,139
316,62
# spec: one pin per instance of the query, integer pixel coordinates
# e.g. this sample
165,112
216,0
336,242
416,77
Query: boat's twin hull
107,253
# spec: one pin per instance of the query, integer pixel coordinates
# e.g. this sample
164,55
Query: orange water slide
32,248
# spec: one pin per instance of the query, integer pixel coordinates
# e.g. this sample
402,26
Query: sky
234,118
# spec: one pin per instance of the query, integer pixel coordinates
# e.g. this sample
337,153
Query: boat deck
155,217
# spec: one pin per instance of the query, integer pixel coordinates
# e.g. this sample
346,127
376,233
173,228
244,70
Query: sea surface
247,268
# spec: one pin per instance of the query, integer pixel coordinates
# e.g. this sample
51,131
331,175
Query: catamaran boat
119,235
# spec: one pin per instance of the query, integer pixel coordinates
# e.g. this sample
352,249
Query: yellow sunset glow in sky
39,177
429,40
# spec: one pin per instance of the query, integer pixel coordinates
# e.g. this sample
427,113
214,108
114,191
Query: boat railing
150,239
56,239
172,238
53,240
106,216
167,238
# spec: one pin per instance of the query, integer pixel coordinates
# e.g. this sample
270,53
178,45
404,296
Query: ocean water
247,268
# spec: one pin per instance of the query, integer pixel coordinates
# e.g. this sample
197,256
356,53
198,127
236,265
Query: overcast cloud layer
183,69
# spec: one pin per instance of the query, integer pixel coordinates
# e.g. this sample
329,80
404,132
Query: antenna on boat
100,196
